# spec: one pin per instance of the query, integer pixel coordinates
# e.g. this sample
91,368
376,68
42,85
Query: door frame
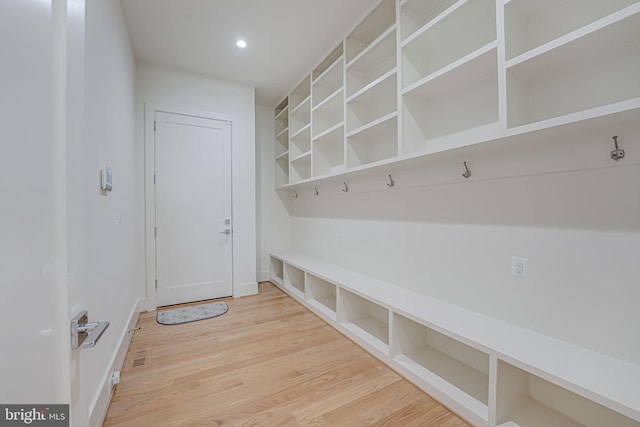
150,195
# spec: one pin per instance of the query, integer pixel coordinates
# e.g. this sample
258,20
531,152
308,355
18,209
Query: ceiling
286,38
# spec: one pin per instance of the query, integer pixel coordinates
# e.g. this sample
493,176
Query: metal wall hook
345,189
618,153
391,182
295,194
315,191
467,172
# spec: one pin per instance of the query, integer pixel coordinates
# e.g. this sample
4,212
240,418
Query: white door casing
192,174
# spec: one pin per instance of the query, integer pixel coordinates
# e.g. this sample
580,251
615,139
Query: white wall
190,92
271,206
33,309
563,204
106,230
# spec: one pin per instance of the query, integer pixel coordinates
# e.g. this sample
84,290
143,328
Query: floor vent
140,358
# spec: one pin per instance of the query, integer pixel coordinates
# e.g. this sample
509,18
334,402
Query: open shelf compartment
379,59
282,107
294,279
427,352
328,114
301,142
415,14
532,23
373,143
282,170
322,295
327,63
300,93
300,116
329,82
277,271
598,69
367,319
464,30
379,101
526,400
376,23
464,98
301,167
328,152
282,142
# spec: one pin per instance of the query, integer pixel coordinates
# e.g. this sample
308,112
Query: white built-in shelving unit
489,372
418,77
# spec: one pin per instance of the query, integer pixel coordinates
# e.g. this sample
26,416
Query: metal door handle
85,334
226,231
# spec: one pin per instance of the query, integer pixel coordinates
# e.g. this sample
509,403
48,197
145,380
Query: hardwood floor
267,362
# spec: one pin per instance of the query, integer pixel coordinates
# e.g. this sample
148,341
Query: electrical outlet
115,378
519,267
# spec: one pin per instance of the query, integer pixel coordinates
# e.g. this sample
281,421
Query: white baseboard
100,404
244,289
264,276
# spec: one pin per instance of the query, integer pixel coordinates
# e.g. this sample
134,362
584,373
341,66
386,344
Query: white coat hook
345,189
295,194
315,191
618,153
467,172
391,182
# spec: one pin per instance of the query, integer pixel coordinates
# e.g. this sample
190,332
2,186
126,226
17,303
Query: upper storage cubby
415,14
374,64
300,94
461,30
595,66
282,118
300,117
465,98
530,24
377,102
328,76
376,23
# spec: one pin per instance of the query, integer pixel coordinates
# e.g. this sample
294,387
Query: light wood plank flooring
267,362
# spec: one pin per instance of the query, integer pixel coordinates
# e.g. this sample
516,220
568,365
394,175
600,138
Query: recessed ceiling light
241,43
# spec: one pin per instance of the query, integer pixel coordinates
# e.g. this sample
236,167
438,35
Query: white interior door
193,208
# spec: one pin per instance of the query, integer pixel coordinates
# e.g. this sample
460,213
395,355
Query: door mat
178,316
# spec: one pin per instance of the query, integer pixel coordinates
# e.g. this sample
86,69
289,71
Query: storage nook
527,400
294,280
277,271
365,318
487,371
461,370
322,295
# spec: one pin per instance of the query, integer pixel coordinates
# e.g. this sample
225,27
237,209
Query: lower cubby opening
294,279
526,400
277,272
321,294
427,352
366,318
